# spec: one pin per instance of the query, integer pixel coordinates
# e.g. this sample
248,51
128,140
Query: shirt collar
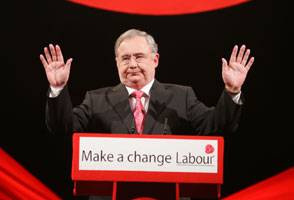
145,89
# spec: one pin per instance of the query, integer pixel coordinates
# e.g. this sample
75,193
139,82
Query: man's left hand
235,73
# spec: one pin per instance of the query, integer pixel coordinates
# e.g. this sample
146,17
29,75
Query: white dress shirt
144,99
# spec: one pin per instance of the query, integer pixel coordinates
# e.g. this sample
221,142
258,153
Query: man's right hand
56,70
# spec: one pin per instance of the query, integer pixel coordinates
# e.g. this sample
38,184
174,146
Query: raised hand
235,73
56,70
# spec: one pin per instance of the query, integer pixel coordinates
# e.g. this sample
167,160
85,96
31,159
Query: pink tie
139,112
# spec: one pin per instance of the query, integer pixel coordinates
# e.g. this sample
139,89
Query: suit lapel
158,100
118,99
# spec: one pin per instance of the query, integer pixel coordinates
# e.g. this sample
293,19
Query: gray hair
133,33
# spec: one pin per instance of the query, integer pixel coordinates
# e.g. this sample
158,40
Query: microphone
133,126
165,126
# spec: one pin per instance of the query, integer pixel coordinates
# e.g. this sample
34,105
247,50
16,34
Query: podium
162,167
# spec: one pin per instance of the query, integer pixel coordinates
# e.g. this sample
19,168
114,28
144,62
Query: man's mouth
134,72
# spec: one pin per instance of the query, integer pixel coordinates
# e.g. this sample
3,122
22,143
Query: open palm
56,70
234,73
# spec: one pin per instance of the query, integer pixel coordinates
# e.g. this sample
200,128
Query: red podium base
141,190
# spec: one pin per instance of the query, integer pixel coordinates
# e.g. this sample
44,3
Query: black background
190,46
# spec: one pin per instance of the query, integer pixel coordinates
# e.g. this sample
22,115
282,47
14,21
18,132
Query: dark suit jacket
107,110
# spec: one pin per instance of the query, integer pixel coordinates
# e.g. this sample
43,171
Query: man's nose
133,63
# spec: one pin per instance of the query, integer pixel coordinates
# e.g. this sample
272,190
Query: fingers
234,53
68,63
225,65
53,52
246,56
249,64
45,64
241,58
241,53
59,54
47,55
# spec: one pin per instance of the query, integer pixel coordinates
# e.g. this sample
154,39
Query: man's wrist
233,90
55,91
235,95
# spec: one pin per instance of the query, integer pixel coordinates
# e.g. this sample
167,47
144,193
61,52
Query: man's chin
135,78
136,82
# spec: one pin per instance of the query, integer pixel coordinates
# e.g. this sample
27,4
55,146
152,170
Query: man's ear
156,59
116,60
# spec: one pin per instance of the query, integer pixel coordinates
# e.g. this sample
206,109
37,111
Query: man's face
135,62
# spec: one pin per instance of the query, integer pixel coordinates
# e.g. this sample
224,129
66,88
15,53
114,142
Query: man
161,108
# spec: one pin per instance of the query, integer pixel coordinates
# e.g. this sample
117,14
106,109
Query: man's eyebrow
135,54
124,55
138,54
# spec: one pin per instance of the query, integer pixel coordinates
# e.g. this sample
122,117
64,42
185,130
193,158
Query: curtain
280,186
17,183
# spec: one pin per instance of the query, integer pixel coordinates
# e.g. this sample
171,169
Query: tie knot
138,94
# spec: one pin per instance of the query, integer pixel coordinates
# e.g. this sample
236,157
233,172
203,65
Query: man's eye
139,57
125,58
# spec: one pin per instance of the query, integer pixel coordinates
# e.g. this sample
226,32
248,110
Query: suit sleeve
62,118
224,117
